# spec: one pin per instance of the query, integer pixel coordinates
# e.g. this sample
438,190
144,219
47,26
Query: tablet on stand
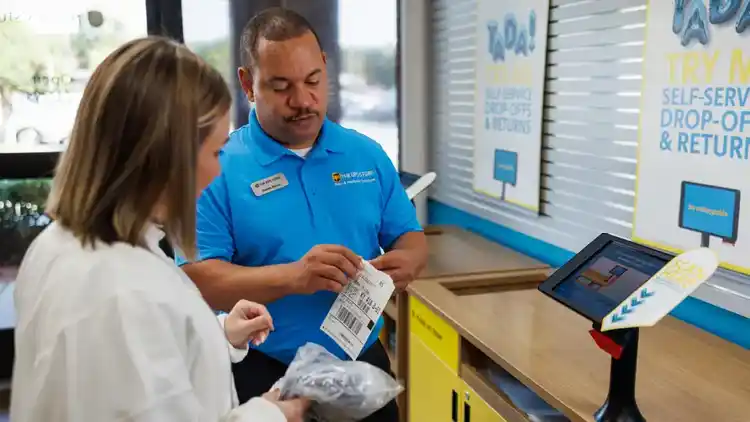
621,286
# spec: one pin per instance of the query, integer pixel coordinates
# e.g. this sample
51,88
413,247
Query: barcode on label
349,320
362,303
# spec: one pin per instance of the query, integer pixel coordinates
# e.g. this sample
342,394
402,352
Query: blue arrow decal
635,302
645,293
617,318
625,310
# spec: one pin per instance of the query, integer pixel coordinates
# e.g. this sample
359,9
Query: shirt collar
153,235
268,150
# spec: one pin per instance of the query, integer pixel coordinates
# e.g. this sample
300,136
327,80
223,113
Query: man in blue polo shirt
300,202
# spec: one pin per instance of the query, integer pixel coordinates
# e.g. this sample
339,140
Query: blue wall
718,321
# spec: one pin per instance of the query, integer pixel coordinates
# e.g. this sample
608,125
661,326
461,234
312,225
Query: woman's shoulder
57,248
59,272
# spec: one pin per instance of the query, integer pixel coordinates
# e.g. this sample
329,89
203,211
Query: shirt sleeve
398,215
213,224
235,354
256,409
128,360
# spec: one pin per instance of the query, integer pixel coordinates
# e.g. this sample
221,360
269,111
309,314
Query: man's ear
325,58
246,82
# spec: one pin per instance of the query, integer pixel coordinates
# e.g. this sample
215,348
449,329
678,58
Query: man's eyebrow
277,79
274,79
314,73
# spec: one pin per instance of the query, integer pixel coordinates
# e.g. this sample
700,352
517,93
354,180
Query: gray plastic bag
341,391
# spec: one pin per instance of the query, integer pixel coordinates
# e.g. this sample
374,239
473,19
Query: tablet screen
608,278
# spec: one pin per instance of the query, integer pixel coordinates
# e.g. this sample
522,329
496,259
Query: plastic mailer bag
341,391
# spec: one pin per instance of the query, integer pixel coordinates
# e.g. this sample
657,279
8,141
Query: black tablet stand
622,346
705,240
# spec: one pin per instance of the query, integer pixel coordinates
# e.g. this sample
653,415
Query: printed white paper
357,309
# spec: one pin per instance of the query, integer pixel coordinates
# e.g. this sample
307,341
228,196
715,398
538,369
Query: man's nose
301,98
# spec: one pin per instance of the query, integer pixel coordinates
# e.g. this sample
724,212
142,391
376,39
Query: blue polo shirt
346,191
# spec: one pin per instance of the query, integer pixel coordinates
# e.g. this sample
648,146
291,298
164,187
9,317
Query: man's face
289,86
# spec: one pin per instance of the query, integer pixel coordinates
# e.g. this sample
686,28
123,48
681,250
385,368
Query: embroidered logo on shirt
353,177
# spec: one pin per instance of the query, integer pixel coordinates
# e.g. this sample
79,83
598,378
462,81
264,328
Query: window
22,218
368,79
206,26
362,48
206,31
50,48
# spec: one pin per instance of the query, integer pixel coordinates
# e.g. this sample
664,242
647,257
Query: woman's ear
246,82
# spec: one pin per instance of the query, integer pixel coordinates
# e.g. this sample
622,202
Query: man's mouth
301,118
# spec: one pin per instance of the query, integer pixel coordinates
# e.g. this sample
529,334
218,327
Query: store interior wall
414,85
451,202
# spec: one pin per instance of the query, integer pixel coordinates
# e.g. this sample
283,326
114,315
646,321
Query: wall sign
693,186
511,62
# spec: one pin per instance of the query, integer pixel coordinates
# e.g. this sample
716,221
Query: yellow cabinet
436,334
475,409
434,388
436,392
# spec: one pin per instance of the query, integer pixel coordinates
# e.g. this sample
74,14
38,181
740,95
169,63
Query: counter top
454,251
684,373
467,260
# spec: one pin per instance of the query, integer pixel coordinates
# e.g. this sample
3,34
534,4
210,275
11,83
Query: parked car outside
41,121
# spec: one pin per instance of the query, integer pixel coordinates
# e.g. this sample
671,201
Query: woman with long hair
109,329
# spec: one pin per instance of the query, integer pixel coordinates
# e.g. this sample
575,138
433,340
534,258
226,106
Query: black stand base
620,405
610,413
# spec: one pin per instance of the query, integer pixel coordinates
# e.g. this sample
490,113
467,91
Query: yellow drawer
436,334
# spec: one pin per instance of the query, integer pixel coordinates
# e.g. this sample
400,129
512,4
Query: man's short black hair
272,24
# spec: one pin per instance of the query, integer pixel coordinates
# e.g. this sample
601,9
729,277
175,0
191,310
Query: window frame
163,17
399,91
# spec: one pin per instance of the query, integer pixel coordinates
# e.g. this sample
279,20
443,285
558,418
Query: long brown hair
143,116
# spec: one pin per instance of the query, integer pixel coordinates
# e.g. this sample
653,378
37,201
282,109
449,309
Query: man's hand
247,322
401,265
326,267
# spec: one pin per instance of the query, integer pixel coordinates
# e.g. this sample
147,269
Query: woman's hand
293,409
247,322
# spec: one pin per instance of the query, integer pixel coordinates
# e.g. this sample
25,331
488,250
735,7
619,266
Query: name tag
269,184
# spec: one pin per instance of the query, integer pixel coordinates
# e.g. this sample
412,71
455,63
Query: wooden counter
457,252
684,373
465,259
457,255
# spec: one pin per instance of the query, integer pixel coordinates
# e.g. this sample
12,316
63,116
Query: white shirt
302,152
119,333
